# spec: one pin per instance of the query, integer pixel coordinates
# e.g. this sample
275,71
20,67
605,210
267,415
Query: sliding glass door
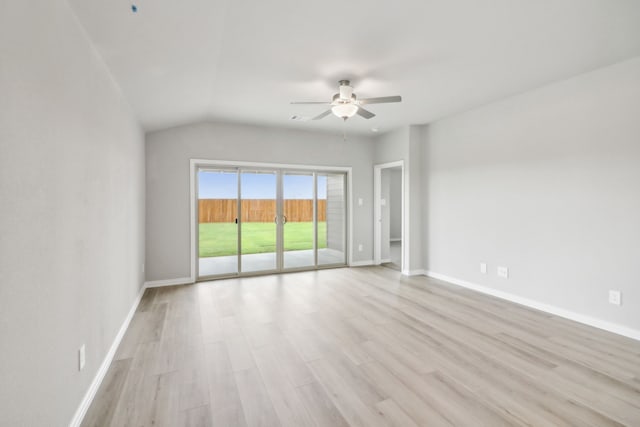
332,226
263,220
298,220
258,224
217,222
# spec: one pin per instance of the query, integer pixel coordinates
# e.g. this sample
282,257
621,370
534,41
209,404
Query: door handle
284,219
236,220
275,219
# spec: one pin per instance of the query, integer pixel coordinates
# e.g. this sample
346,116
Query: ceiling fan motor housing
346,91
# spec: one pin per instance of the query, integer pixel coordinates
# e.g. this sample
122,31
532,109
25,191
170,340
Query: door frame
194,164
377,222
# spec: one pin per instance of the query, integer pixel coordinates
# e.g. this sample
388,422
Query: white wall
168,153
548,184
71,212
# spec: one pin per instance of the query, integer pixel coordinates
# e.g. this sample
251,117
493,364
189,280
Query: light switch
81,357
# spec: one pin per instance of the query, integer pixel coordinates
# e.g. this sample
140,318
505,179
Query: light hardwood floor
360,347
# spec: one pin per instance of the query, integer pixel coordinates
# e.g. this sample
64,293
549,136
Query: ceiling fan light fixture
344,111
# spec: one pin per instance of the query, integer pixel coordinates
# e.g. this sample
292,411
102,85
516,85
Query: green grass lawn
220,239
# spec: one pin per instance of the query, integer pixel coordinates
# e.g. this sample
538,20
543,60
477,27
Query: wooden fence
258,210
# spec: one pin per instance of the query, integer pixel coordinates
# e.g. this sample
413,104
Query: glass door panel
265,220
258,228
298,220
331,213
217,227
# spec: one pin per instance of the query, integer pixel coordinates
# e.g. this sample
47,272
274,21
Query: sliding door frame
196,164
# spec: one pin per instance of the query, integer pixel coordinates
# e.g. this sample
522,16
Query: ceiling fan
345,104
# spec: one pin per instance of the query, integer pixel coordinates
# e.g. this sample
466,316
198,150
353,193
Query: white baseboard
418,272
106,362
557,311
382,261
361,263
168,282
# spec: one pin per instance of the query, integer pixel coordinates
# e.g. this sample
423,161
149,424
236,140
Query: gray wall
385,217
391,211
395,204
71,212
548,184
168,153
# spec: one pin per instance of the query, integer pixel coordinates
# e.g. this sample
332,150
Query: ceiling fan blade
380,100
320,116
310,102
365,113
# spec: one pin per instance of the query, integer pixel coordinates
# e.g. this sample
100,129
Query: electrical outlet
360,201
360,247
483,267
615,297
503,272
383,202
81,358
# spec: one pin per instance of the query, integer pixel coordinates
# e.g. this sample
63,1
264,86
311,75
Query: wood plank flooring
360,347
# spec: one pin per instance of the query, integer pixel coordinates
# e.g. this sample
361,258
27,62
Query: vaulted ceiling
180,61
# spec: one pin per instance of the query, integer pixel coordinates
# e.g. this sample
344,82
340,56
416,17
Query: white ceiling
181,61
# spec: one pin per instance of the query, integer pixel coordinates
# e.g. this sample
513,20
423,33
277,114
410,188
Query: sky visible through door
218,185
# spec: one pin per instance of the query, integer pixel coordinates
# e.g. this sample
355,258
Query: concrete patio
224,265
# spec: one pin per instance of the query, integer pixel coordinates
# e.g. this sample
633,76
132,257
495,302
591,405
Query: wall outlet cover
615,297
360,247
503,272
360,201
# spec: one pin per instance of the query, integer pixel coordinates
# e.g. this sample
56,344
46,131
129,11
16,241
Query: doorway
390,242
258,220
